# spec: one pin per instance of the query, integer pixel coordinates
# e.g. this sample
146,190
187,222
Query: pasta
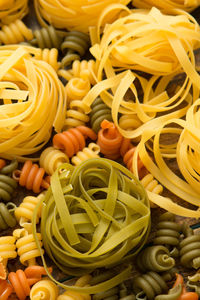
79,15
99,112
72,295
50,56
75,115
190,248
46,38
9,168
26,247
7,187
7,248
83,69
184,294
77,88
74,47
194,286
32,177
91,151
44,289
15,33
6,215
5,289
111,142
128,160
51,159
173,294
12,10
22,130
166,5
168,233
2,163
155,258
72,187
73,140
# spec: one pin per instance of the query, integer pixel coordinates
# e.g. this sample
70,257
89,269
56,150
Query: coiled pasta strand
46,38
6,215
72,295
190,248
24,212
22,280
130,122
51,159
100,111
9,168
73,140
155,258
168,233
111,142
77,88
2,163
44,289
83,69
76,114
74,47
11,10
15,33
184,294
88,152
26,246
7,187
50,56
31,177
7,248
5,289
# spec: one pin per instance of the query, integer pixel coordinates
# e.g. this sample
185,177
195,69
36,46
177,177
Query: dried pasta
91,151
50,56
11,10
77,88
83,281
7,248
22,130
6,215
44,289
79,15
7,187
5,289
99,112
77,255
46,38
75,115
167,5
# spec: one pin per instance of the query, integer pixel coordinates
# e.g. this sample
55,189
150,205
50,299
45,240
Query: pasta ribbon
167,5
11,10
92,216
22,130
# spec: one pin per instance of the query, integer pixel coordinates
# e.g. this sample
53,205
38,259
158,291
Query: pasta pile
22,130
77,15
11,10
167,5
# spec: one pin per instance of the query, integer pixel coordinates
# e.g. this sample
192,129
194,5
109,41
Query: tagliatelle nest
167,5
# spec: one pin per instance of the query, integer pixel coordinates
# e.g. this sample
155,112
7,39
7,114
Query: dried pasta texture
5,289
99,112
15,33
190,248
155,258
78,15
50,56
11,10
184,293
73,140
51,159
7,248
83,69
26,247
6,215
83,281
173,294
7,187
22,130
77,88
91,151
44,289
74,46
46,38
76,114
168,233
108,217
167,5
32,177
9,168
135,42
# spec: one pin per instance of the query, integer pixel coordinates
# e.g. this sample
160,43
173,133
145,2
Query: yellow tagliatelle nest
73,15
32,102
167,5
11,10
149,41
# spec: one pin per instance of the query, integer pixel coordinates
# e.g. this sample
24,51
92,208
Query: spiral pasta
155,258
168,233
74,47
94,176
184,294
79,15
51,159
7,248
76,114
7,187
83,69
111,142
9,168
11,10
6,215
32,177
73,140
22,130
77,88
46,38
99,112
91,151
72,295
190,248
44,289
2,163
5,289
166,5
50,56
